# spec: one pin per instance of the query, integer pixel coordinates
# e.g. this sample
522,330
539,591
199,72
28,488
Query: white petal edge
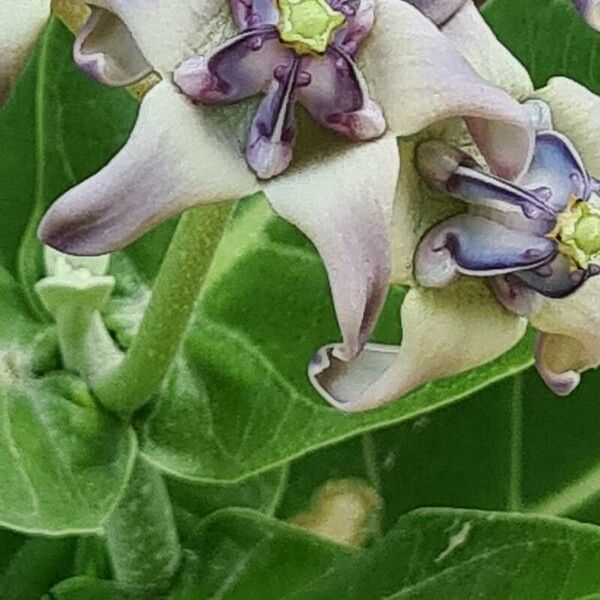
343,202
576,114
169,31
105,49
473,37
419,77
571,329
21,21
177,156
444,332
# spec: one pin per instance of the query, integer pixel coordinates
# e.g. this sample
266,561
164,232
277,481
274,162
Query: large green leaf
30,567
63,462
58,128
239,400
455,554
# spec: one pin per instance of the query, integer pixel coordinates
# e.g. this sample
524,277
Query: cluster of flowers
443,169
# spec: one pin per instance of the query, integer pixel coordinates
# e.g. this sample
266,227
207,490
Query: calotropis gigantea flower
20,24
513,252
382,62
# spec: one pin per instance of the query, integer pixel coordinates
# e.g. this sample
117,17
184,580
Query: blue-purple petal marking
250,14
472,245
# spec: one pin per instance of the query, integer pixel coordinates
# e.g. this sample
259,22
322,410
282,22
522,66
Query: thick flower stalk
20,24
516,251
364,69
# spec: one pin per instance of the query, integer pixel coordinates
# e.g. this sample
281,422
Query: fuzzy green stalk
132,383
141,535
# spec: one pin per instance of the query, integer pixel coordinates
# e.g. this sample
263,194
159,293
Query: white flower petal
571,342
342,201
444,332
169,31
492,60
419,77
576,114
177,156
21,21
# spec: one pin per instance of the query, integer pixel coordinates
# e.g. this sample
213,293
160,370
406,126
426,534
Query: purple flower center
292,51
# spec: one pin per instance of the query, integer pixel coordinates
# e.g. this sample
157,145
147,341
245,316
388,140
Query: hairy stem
144,367
141,535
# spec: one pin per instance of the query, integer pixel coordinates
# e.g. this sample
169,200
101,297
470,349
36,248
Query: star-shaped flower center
308,25
577,232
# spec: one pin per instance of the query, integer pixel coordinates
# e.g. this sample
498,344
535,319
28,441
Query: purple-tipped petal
439,11
176,157
556,171
563,383
106,51
336,95
360,17
270,142
241,67
472,245
444,332
590,10
250,14
343,202
556,279
418,77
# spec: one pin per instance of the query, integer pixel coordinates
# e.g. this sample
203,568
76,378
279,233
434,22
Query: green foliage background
238,432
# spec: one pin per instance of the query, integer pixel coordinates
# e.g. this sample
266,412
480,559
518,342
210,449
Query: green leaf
549,37
239,401
63,461
30,567
457,554
58,128
462,455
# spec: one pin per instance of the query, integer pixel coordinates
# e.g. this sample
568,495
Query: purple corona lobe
328,84
512,231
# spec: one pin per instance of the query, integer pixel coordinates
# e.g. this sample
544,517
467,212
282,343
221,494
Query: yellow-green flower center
578,233
308,25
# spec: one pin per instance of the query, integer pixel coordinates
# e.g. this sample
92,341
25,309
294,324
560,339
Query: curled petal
105,50
575,113
590,9
271,139
570,342
419,77
515,295
473,37
551,349
167,32
556,171
342,202
439,11
239,68
250,14
444,332
472,245
176,157
20,23
336,95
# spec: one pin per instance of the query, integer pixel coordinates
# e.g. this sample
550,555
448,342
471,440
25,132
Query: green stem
131,385
141,535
